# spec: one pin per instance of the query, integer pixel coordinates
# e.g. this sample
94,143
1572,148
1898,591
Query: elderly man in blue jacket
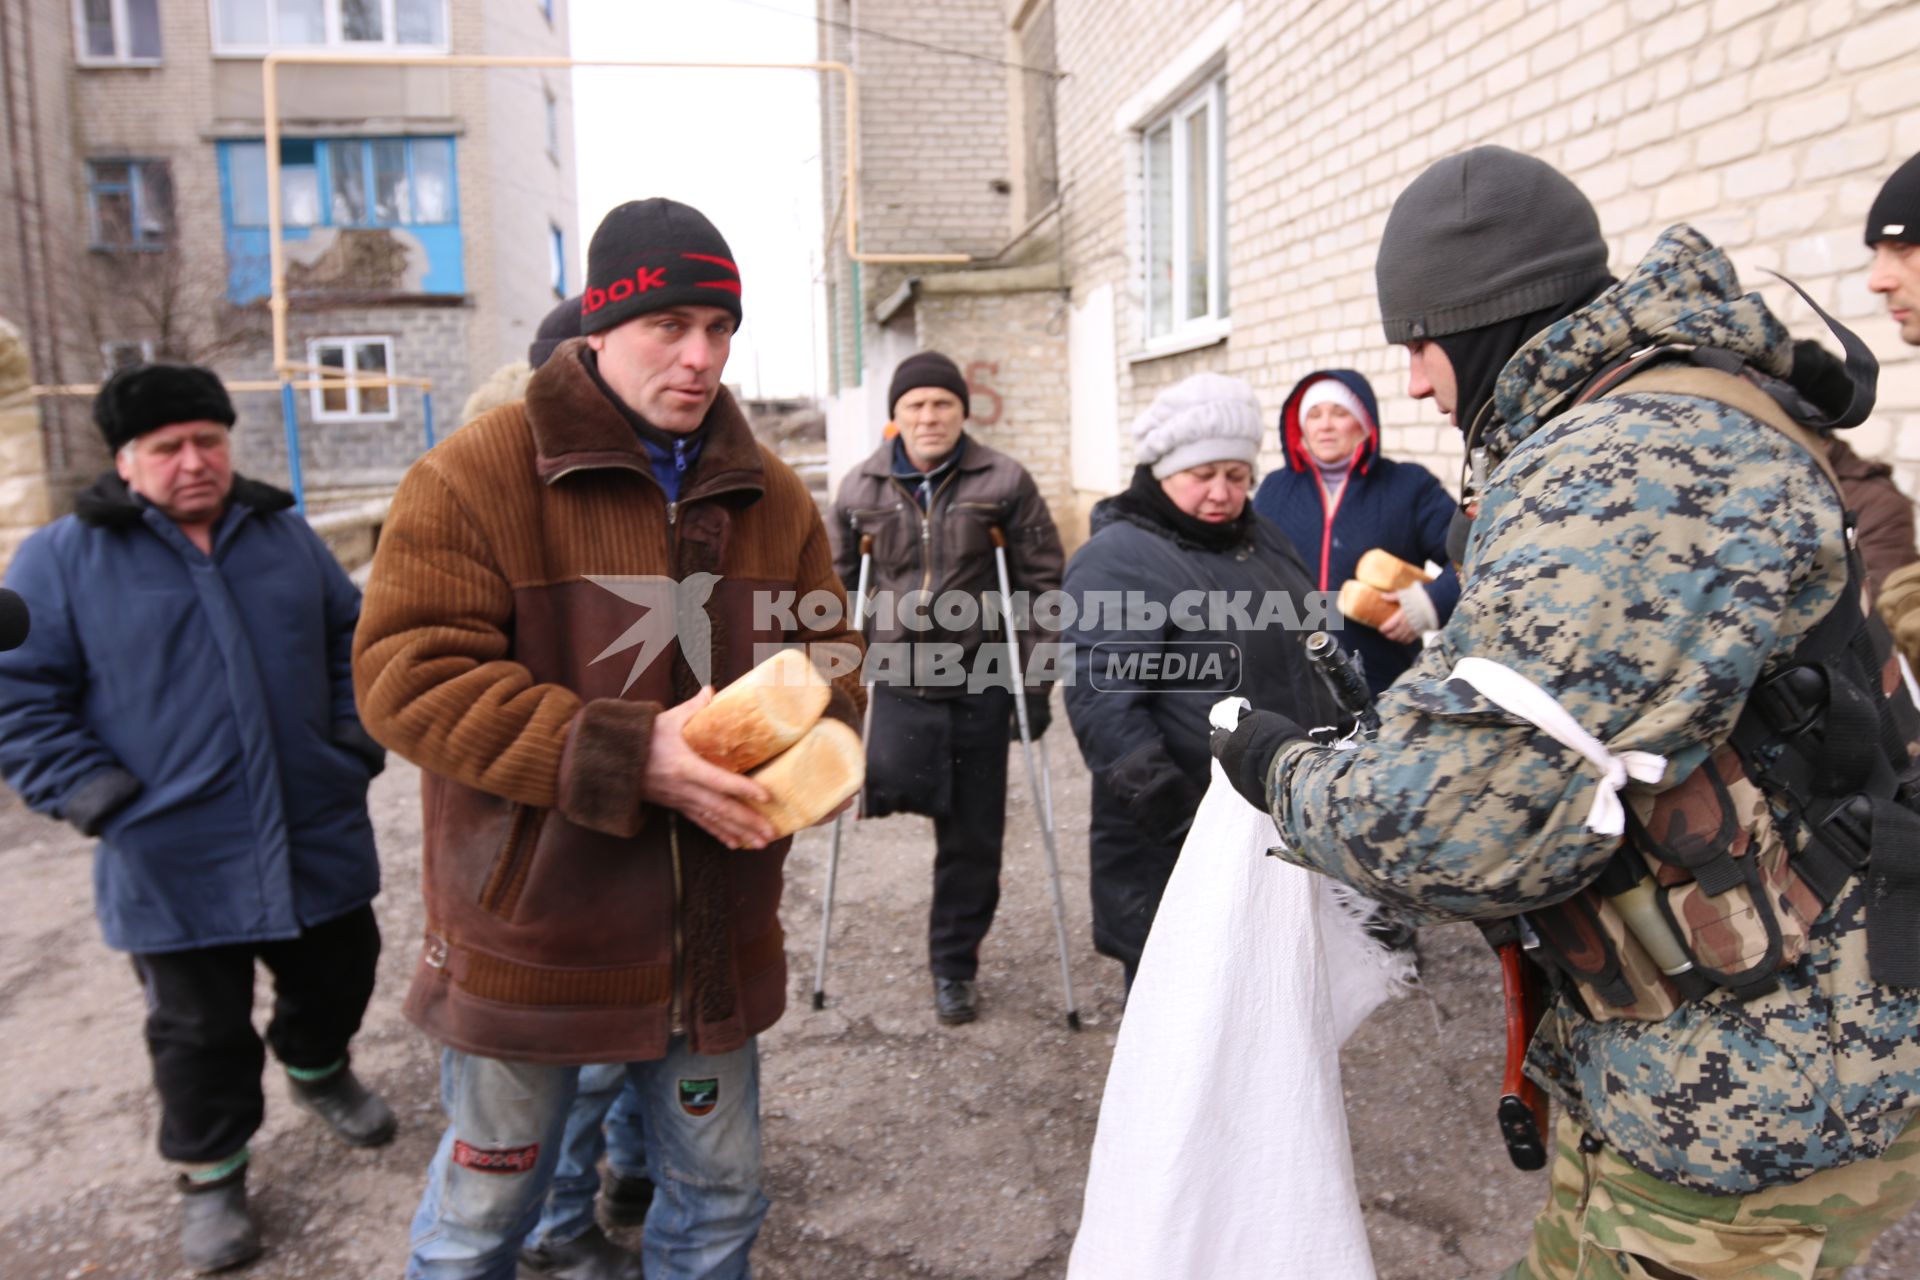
185,695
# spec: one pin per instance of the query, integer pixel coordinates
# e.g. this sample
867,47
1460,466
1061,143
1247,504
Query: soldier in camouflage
1644,558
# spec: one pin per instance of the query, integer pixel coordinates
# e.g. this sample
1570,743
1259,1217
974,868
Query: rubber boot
216,1231
354,1112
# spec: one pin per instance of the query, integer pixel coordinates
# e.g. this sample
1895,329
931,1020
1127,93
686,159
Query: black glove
1821,377
1248,750
1039,716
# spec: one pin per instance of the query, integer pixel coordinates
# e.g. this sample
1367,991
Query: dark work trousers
207,1058
966,860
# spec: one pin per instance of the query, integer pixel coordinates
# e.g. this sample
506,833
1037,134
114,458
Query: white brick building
1768,124
429,213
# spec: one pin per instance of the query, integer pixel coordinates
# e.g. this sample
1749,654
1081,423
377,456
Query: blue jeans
605,1116
700,1117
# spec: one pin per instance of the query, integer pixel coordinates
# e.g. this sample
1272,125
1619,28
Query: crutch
1040,792
833,853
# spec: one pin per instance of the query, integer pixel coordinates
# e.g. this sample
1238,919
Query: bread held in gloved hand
1367,596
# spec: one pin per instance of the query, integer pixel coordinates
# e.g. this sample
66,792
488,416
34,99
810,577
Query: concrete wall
1769,125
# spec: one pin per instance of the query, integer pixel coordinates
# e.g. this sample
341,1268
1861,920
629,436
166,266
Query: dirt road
895,1147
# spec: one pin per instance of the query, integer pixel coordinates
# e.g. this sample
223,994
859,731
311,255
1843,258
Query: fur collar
108,504
576,428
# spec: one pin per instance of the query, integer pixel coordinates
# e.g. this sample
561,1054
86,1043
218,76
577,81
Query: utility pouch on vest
1814,787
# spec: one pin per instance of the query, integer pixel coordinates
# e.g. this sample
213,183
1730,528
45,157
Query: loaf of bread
761,714
1384,571
1365,604
812,778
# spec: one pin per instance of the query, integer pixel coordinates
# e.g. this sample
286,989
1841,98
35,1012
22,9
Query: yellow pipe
270,106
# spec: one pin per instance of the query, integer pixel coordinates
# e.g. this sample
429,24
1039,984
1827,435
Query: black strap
1862,369
1893,896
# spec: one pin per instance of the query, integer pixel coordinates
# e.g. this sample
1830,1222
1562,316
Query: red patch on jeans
497,1160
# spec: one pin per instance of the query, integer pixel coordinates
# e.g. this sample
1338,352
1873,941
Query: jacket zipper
926,525
1326,525
676,1014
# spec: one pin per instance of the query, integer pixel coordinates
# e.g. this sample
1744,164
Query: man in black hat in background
930,497
1893,233
185,696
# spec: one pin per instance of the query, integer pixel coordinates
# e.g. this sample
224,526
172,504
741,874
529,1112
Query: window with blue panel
405,185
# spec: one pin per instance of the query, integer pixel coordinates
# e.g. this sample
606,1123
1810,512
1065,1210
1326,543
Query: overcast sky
741,146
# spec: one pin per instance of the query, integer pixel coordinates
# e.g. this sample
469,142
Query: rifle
1522,1112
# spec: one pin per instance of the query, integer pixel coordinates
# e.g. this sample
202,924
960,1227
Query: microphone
13,620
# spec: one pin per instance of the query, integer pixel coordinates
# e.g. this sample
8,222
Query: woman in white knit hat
1196,573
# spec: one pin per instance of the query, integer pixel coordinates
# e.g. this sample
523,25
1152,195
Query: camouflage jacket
1644,558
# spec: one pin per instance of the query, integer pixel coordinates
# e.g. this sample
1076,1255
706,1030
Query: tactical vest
1719,880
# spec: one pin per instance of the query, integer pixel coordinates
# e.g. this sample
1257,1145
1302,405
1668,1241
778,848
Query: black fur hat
146,397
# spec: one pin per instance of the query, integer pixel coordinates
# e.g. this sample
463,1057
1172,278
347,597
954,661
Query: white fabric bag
1222,1149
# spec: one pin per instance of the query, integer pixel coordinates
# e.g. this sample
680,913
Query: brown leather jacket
569,920
948,547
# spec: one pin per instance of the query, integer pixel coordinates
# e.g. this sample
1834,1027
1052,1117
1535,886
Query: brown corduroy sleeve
434,682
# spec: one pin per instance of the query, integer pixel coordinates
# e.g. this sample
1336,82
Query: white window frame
106,353
120,57
333,40
353,412
1184,332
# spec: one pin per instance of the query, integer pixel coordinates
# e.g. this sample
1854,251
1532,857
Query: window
557,260
129,204
254,26
546,7
345,182
122,355
553,127
117,31
1183,159
355,357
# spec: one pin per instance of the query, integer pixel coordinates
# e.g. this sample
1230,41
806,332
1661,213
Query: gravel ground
895,1147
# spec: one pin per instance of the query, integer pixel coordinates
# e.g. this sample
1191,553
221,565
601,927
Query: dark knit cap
556,327
928,369
146,397
1896,210
648,255
1484,236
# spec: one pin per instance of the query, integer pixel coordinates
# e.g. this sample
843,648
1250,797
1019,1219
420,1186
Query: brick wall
1769,125
428,342
1012,347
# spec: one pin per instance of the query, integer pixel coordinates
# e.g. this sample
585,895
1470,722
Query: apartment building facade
1224,168
429,212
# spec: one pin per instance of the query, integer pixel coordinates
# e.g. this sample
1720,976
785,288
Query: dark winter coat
1146,746
196,712
1396,506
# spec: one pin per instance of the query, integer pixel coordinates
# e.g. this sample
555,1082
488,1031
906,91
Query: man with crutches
931,498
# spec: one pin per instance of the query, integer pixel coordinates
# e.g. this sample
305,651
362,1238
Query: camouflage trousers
1606,1220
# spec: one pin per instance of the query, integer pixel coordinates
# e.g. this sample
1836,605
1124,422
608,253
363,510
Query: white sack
1222,1148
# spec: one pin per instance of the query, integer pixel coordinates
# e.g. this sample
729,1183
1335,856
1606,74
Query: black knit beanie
146,397
1896,210
556,327
648,255
1483,236
928,369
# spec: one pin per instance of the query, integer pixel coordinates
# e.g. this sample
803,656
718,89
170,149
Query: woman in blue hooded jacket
1337,498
